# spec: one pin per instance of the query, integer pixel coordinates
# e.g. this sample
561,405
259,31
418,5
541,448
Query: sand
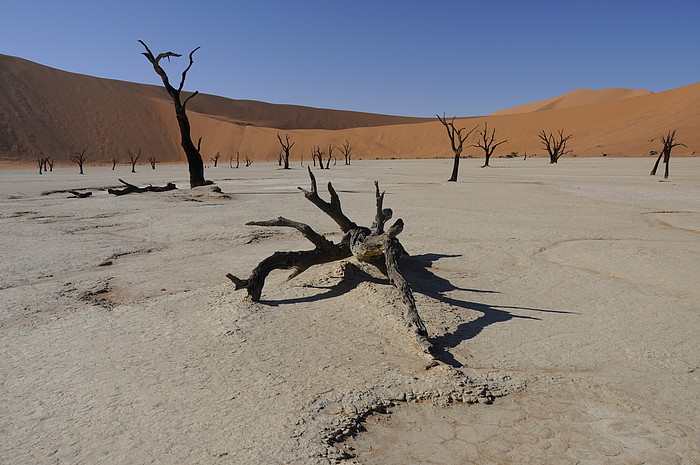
563,297
50,113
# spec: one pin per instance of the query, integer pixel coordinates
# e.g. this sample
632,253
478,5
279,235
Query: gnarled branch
373,246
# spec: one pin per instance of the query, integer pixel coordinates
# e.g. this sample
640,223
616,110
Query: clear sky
414,58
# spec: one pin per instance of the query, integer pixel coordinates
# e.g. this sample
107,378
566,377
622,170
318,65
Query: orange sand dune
575,98
46,112
620,128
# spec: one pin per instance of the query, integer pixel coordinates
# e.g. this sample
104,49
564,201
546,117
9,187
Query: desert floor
564,300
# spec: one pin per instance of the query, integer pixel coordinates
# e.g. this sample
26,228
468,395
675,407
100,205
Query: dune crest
575,98
50,113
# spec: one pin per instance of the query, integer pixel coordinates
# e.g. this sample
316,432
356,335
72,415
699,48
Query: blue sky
413,58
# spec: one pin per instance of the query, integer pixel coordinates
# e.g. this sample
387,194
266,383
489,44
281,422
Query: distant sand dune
575,98
47,112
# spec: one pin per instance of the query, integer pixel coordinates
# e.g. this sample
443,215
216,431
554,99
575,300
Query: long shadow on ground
352,277
423,280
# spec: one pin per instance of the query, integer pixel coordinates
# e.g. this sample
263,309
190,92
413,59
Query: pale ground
571,288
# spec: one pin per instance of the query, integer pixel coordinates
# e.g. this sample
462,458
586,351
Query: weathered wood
286,148
487,143
346,150
133,158
194,158
457,142
131,189
79,195
555,145
368,245
80,158
669,144
332,208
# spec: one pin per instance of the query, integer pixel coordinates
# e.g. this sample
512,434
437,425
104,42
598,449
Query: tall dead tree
133,158
669,143
238,158
194,158
215,158
40,161
50,162
375,246
457,140
555,144
346,150
248,161
114,161
80,158
152,161
286,148
486,143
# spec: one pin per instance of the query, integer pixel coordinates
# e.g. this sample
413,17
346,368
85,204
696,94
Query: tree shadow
351,277
424,281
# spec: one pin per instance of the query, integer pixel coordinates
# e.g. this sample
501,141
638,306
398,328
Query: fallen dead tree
79,195
131,189
374,245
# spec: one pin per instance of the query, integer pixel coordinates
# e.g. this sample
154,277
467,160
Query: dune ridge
575,98
47,112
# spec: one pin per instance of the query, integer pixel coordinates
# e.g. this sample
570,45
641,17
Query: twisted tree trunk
194,159
369,245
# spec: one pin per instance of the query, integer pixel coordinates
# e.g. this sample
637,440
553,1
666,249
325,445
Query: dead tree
114,161
286,148
346,150
152,161
669,143
215,158
79,195
317,154
238,158
131,189
133,158
80,158
50,162
330,155
486,143
44,163
194,158
374,246
457,141
248,161
555,145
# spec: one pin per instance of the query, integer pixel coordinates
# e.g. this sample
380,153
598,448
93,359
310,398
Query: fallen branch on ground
79,195
131,189
369,245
